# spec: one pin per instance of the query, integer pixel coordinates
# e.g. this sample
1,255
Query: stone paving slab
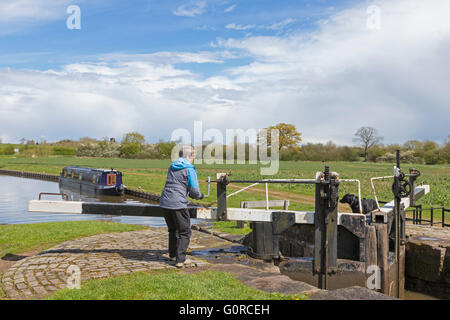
350,293
268,281
98,256
423,231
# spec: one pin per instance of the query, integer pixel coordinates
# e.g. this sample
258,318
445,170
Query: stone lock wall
298,241
427,265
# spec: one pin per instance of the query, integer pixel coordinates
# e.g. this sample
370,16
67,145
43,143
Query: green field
149,175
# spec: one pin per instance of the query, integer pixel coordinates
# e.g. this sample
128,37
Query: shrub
43,150
375,153
108,149
105,149
8,150
148,151
431,157
349,154
88,149
64,151
405,156
164,149
130,150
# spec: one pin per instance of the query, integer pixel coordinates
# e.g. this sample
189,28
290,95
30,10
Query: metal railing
420,217
64,195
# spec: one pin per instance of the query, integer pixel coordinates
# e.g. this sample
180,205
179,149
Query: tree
86,140
413,145
367,137
446,150
164,149
133,137
430,146
288,137
130,150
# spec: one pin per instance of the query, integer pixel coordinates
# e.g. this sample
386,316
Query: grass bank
231,227
169,285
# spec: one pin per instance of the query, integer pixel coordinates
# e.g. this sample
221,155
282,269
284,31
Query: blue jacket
181,182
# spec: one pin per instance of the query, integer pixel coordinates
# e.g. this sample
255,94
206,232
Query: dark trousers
179,225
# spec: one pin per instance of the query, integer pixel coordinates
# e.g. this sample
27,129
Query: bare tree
367,137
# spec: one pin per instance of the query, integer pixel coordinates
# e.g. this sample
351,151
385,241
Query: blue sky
155,66
148,26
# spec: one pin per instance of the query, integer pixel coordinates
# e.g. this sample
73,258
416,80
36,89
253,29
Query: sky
326,66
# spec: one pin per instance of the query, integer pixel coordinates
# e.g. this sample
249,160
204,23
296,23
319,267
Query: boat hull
90,188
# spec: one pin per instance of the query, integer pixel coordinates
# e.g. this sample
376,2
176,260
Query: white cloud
280,25
328,82
277,26
123,93
32,9
169,57
230,8
19,14
234,26
191,9
356,76
205,27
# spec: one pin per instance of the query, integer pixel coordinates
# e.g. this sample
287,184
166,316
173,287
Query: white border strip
75,207
405,201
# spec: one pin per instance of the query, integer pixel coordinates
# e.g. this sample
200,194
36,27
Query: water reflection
15,193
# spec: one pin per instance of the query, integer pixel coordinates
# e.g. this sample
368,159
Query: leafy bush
109,149
321,152
405,157
104,149
64,151
88,150
148,151
164,149
130,150
431,157
8,150
133,137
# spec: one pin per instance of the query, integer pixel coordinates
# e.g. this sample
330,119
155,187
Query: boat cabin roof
80,169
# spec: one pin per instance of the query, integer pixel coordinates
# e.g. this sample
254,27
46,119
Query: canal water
15,193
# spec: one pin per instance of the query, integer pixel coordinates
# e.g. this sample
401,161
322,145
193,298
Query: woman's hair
186,151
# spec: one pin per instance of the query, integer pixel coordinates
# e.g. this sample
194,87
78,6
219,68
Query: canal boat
92,181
